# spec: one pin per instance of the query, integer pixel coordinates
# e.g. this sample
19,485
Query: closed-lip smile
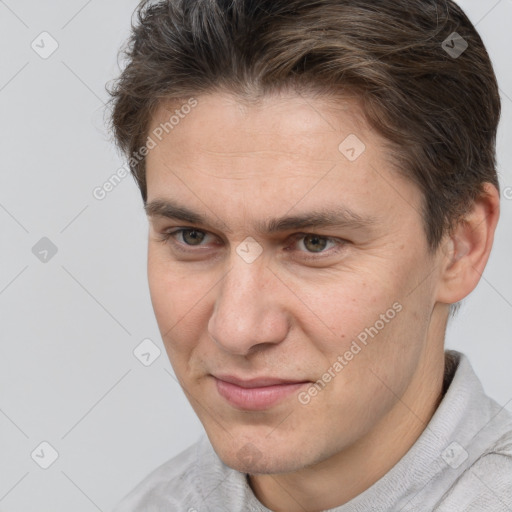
255,394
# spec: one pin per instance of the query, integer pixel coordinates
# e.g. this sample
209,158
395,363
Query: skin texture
300,305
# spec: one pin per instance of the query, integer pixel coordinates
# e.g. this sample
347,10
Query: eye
192,236
315,245
189,236
311,246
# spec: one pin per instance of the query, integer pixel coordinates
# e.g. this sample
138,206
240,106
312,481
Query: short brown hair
438,112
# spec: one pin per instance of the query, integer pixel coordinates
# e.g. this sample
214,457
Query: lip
256,394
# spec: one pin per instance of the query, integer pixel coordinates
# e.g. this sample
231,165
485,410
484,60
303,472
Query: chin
261,455
265,464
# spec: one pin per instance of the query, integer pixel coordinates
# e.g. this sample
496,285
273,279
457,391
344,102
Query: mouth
256,394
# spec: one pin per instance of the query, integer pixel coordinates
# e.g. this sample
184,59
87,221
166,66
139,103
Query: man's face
288,303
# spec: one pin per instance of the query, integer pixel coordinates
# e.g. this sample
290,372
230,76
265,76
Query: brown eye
315,243
313,247
192,236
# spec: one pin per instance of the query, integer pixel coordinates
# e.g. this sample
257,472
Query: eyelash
168,237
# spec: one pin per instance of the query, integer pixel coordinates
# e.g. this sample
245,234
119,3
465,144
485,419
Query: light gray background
68,375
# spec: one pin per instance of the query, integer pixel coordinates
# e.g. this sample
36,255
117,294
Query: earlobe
468,247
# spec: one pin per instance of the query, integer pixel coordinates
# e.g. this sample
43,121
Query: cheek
335,314
371,327
179,299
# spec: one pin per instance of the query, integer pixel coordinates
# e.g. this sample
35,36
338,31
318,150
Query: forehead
284,152
268,122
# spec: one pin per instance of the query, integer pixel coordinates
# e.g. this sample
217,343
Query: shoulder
485,485
169,485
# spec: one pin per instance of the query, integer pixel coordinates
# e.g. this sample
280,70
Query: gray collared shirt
461,462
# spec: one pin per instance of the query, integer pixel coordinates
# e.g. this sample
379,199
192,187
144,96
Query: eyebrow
338,217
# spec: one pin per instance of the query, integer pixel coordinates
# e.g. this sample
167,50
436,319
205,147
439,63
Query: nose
248,311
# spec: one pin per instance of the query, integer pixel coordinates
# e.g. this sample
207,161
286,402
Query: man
320,183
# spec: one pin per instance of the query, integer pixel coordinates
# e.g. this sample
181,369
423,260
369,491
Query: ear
466,250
